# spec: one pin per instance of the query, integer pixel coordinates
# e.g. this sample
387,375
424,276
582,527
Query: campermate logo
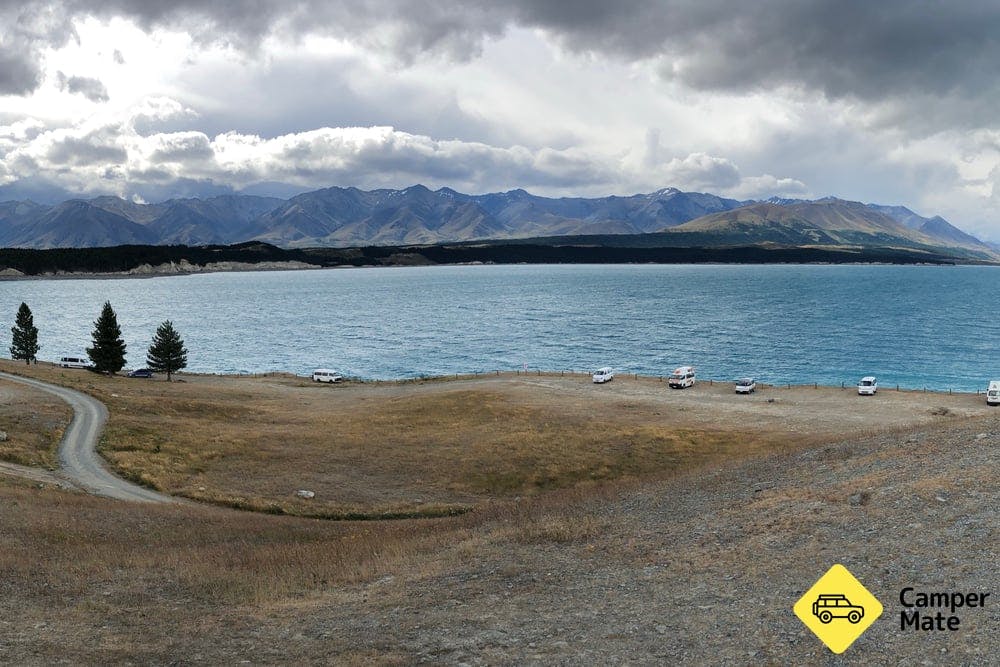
838,608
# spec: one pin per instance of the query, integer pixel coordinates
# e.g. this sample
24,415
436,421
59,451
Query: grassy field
118,579
34,422
421,449
435,453
375,451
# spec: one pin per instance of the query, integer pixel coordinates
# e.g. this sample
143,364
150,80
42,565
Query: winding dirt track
78,458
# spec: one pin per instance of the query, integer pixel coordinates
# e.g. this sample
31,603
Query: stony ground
705,568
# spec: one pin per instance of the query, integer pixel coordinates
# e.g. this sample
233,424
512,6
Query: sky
890,102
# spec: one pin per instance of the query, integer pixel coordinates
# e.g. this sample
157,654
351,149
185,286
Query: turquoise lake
916,326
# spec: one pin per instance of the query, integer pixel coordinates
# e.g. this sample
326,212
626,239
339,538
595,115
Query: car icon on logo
828,607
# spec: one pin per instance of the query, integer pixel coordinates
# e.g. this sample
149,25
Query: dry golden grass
74,561
199,554
430,454
34,422
393,451
119,579
437,448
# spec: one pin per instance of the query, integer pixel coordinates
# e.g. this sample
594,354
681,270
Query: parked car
326,375
140,373
682,377
746,386
867,386
74,362
993,393
605,374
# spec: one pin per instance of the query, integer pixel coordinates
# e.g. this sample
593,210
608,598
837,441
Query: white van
867,386
74,362
326,375
993,393
682,377
605,374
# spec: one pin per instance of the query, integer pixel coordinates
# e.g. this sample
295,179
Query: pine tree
167,353
24,344
108,352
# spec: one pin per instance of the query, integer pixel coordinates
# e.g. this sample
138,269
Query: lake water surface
916,326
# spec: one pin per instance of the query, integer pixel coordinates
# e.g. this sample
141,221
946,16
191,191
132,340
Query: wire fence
540,372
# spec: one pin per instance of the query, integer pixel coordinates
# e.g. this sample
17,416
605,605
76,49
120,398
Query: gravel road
78,458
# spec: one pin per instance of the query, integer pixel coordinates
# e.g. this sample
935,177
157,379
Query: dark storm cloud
19,72
851,48
865,49
92,89
845,49
25,29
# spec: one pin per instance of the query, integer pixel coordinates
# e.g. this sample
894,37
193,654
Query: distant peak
784,201
839,200
76,203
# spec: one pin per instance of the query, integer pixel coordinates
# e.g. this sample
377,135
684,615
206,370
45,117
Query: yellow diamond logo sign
838,609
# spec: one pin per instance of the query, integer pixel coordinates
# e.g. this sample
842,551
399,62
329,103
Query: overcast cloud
891,102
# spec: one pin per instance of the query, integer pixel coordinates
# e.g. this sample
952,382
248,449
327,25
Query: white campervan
868,386
74,362
682,377
326,375
602,375
993,393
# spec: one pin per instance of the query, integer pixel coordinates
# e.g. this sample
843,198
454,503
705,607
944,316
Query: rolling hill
828,222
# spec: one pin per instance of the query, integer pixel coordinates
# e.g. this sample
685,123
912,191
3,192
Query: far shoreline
252,268
158,261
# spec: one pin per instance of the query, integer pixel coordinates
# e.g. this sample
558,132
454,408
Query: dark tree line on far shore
602,249
118,259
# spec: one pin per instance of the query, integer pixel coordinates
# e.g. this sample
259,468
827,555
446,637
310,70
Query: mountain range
342,217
